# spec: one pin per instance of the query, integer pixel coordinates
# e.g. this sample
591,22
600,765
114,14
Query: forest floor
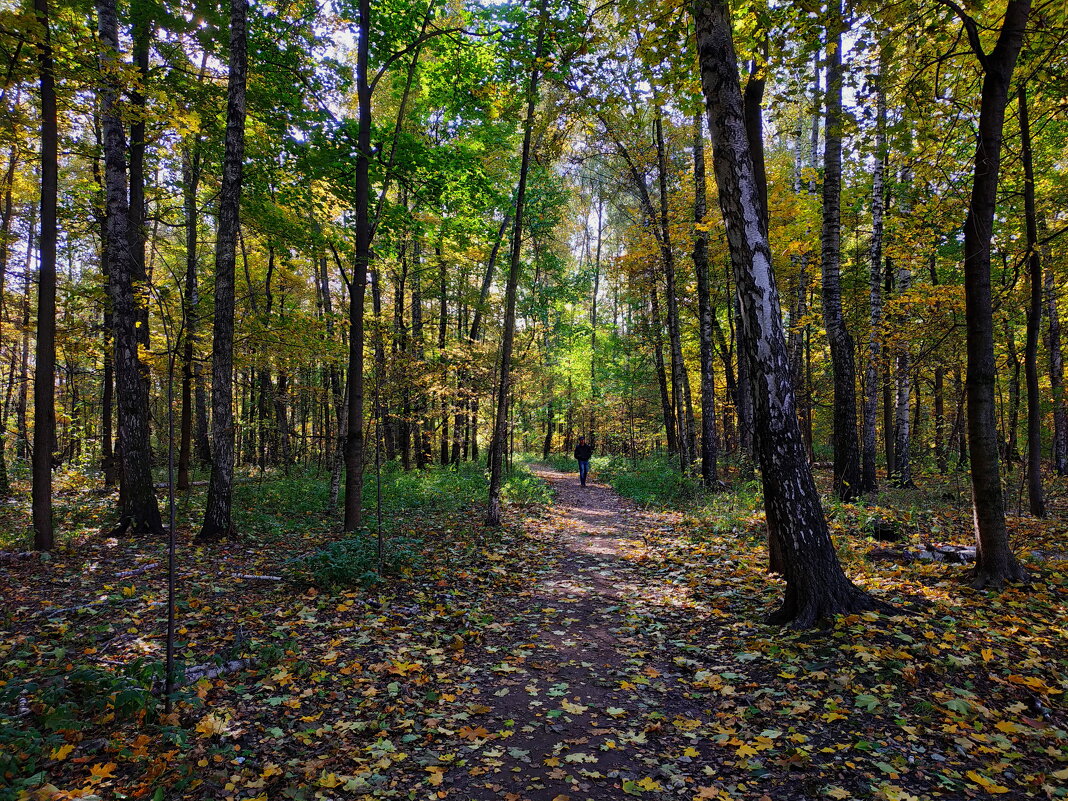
591,649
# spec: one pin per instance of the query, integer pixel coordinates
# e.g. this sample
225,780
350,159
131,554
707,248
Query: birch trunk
869,482
816,586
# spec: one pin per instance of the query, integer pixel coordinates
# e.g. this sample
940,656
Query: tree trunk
139,509
995,562
44,384
869,482
680,380
1056,378
593,319
5,249
816,586
709,444
422,435
141,35
354,437
902,473
24,359
500,423
190,181
667,404
218,521
1035,497
941,449
443,329
1011,426
846,452
743,394
888,395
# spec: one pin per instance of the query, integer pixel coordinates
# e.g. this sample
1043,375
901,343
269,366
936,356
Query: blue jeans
584,470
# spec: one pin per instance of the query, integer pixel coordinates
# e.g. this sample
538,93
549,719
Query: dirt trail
591,701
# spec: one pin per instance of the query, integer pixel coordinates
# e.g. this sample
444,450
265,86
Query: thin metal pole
378,466
170,533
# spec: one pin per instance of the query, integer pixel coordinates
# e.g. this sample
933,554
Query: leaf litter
592,650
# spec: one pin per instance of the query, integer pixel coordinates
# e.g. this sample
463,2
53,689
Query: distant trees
361,205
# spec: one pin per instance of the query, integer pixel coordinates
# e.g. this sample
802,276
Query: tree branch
971,28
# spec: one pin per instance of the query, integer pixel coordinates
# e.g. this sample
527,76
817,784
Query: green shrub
35,712
523,488
652,481
353,562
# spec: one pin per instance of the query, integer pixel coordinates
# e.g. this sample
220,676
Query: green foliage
652,481
522,488
428,494
37,710
353,562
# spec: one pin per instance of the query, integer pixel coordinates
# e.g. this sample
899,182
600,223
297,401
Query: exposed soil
596,699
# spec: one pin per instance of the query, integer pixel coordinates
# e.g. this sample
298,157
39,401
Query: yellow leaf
1033,682
987,654
128,591
211,724
98,772
838,792
330,780
986,784
269,770
62,752
574,709
649,784
745,751
691,752
1008,727
468,733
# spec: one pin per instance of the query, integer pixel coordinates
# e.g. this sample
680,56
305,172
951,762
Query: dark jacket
583,452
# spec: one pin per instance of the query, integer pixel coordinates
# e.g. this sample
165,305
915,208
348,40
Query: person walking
583,452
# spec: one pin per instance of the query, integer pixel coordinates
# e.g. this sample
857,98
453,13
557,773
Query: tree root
814,611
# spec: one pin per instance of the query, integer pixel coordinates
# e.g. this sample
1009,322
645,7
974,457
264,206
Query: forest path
593,701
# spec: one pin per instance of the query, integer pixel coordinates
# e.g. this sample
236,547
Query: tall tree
358,289
875,262
680,380
190,371
44,385
1056,377
218,514
995,561
816,586
139,508
500,423
847,484
704,309
1036,499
